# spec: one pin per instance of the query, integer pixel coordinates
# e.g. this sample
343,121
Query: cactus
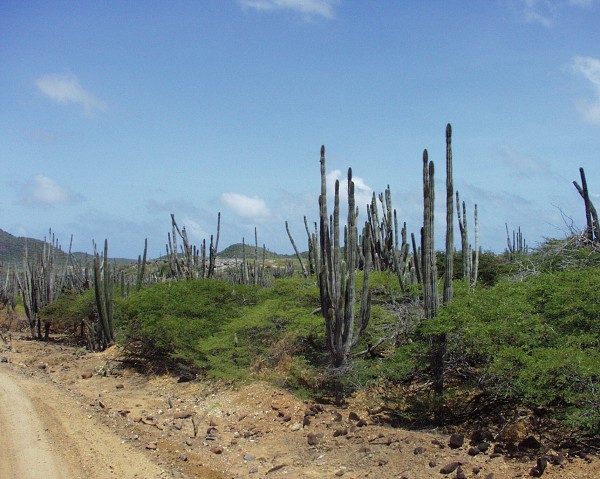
591,215
103,287
449,260
41,283
304,270
141,270
337,275
428,260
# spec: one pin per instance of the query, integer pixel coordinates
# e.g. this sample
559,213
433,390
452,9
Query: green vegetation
526,338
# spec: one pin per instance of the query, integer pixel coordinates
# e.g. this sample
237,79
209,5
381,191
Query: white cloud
546,12
539,11
67,89
308,8
245,206
194,230
589,68
40,190
363,193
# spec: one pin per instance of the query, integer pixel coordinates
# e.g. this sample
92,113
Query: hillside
236,251
12,250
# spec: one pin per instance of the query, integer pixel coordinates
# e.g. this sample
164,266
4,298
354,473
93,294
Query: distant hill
236,251
12,251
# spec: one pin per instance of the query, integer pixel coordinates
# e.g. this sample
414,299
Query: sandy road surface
45,434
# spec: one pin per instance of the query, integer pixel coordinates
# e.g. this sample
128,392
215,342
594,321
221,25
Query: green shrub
67,312
534,342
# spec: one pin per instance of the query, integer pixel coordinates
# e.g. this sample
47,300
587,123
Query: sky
115,115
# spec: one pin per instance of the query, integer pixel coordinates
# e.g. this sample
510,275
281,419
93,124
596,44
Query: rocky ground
195,429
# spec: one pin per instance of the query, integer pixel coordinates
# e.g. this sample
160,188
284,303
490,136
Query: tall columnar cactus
337,275
591,215
313,248
141,270
464,237
449,260
428,259
103,287
470,258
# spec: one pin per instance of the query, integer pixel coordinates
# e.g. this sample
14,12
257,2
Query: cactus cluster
191,262
337,273
102,334
41,282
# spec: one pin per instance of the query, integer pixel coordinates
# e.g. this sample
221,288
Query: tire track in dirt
45,434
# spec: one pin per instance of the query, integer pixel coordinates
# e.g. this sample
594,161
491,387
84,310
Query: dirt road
45,434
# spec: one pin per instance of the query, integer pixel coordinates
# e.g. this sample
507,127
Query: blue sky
116,114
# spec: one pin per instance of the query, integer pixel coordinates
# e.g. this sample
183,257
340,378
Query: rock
432,463
483,446
306,421
473,451
340,432
183,457
340,473
254,470
419,450
42,366
353,416
186,377
337,417
530,442
535,472
361,423
87,374
364,450
456,441
152,446
490,476
460,474
296,427
512,449
556,460
449,468
120,386
314,439
216,450
4,359
476,470
276,468
213,422
249,457
287,418
542,463
182,415
382,461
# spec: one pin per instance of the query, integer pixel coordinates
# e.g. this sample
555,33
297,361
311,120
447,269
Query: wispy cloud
523,166
589,68
67,89
250,207
39,190
310,9
547,12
